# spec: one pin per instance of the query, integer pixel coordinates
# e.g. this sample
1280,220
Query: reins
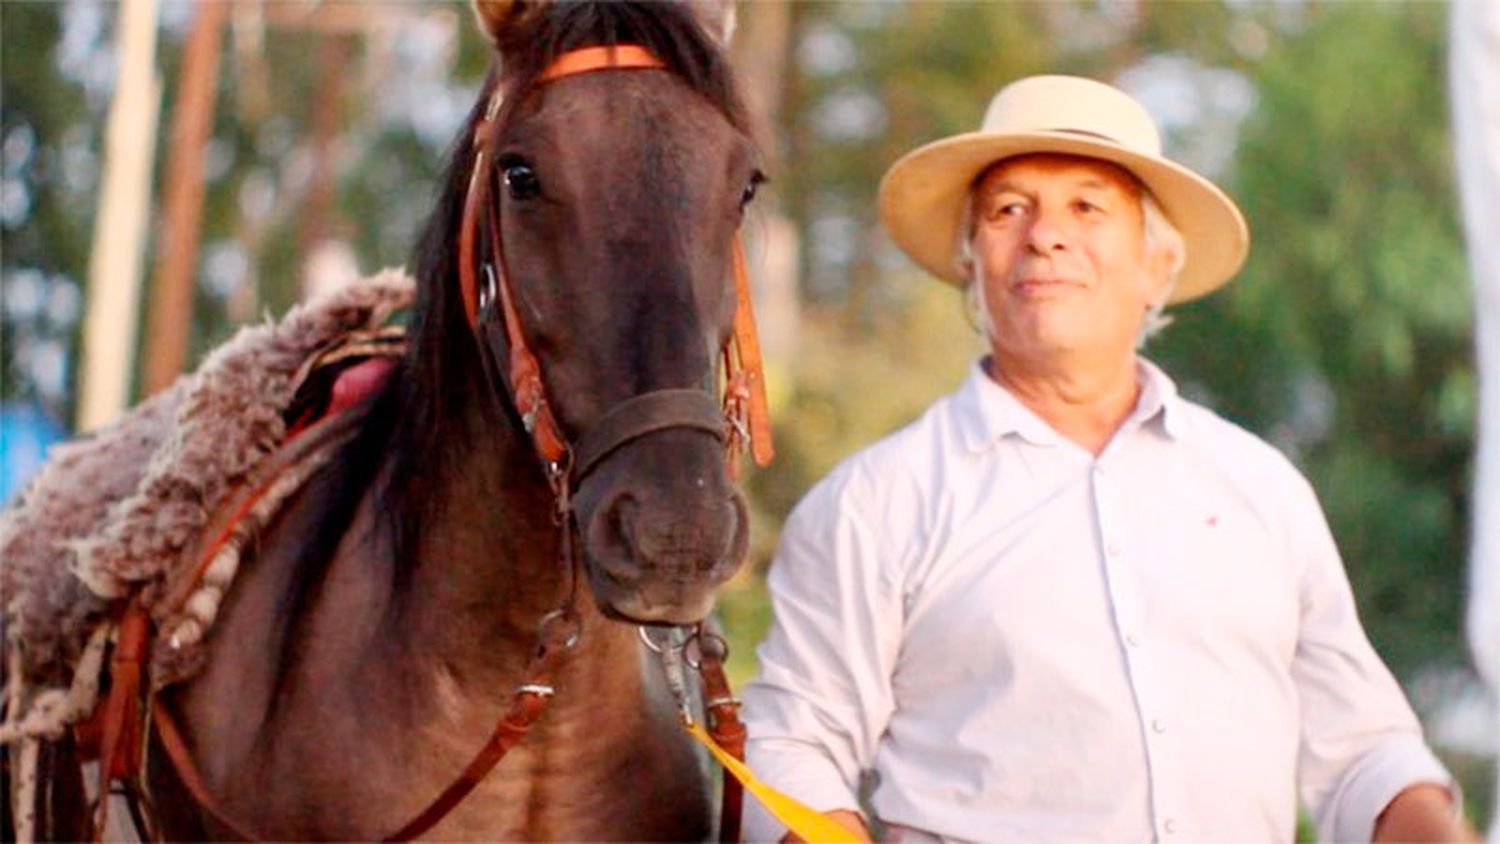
738,419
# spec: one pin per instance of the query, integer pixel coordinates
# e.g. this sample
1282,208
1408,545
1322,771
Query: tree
1347,337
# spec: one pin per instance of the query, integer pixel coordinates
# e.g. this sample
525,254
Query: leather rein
739,419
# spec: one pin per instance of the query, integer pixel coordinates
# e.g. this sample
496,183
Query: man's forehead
1021,172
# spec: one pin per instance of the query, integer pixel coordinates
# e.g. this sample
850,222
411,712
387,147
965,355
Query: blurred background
268,149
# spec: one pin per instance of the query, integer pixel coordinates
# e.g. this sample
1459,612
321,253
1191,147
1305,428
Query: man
1066,604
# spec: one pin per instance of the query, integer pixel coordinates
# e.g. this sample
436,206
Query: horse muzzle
662,528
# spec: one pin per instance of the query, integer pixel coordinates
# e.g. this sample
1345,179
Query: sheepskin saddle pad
157,506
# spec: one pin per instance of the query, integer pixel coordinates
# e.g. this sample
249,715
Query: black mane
419,419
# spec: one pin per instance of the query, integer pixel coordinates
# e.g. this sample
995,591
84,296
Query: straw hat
922,195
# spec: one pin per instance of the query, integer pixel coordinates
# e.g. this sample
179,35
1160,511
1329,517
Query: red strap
120,746
525,370
467,233
619,56
187,772
747,346
728,732
524,711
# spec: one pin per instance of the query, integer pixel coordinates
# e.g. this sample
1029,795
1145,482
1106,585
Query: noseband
739,419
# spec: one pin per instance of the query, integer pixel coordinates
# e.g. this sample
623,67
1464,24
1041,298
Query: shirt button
1170,826
1132,640
1158,725
1112,549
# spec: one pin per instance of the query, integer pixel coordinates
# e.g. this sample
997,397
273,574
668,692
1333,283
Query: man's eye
1001,210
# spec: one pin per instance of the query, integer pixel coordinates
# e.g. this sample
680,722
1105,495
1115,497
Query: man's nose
1047,232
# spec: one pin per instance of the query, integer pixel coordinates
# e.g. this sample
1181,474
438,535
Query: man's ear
1160,265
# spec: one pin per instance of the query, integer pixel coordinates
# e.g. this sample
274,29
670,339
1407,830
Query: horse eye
521,181
755,182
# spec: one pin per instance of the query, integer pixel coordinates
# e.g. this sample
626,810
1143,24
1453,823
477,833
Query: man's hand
844,818
1422,812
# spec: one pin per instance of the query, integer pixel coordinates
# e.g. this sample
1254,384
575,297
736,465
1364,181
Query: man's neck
1086,404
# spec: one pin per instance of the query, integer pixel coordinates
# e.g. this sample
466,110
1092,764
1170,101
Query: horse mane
431,402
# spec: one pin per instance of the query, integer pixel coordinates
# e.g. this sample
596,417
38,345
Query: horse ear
495,17
717,18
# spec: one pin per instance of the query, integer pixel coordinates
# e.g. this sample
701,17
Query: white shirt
1024,642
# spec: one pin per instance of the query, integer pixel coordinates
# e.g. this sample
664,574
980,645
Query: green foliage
1347,337
45,118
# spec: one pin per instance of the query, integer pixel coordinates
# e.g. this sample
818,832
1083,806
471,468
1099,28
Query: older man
1066,603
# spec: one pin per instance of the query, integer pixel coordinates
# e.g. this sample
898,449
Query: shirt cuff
798,772
1373,781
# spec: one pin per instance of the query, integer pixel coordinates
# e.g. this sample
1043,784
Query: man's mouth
1043,286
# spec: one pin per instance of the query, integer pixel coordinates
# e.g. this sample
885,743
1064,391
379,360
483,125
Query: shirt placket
1126,600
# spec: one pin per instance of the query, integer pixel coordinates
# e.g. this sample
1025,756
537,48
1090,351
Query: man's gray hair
1158,232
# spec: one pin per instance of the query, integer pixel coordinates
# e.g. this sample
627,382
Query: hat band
1098,135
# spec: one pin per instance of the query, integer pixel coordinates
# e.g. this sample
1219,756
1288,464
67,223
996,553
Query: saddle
143,523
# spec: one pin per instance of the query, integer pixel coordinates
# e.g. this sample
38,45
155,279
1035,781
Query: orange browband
600,58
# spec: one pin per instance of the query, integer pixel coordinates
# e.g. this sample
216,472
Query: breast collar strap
743,405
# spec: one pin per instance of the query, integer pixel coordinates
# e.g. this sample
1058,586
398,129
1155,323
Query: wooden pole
320,216
113,300
177,255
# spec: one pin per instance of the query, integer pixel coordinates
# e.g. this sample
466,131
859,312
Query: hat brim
922,196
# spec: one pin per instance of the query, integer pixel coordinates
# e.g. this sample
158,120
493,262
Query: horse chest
605,762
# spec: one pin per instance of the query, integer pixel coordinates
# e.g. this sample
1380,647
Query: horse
558,388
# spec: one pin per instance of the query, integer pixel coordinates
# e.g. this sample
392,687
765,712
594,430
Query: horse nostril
622,520
611,537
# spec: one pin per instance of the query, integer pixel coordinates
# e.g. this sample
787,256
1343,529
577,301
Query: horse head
604,210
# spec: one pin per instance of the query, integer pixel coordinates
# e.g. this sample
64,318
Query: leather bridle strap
122,740
745,403
187,772
647,414
529,394
745,412
728,732
603,57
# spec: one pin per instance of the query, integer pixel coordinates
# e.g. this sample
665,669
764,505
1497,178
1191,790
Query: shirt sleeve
1361,744
823,697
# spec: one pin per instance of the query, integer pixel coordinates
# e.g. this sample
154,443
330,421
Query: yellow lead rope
805,823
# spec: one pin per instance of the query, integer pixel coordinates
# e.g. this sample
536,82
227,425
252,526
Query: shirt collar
986,411
1158,400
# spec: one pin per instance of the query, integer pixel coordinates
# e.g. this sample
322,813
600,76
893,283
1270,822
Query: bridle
740,419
